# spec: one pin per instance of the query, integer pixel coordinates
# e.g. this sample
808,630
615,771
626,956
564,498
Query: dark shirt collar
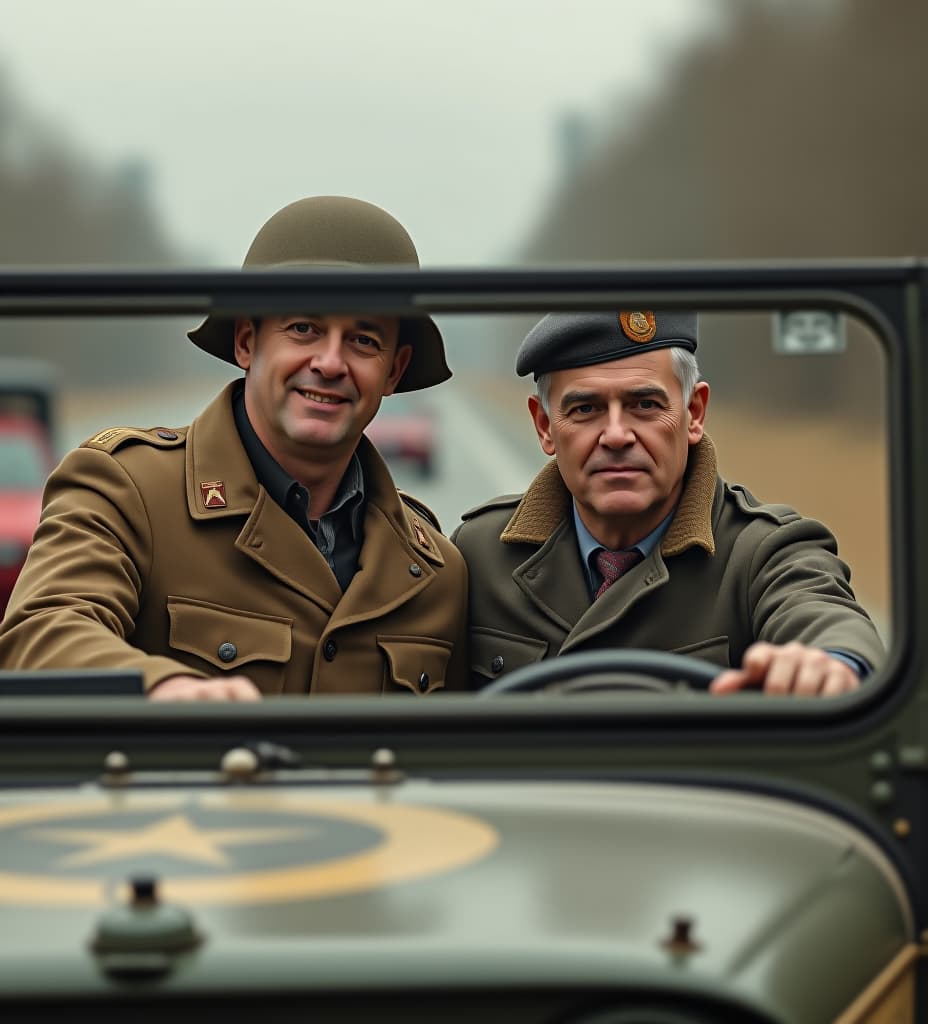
350,494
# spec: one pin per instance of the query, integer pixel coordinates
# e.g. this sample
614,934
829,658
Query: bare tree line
59,209
798,134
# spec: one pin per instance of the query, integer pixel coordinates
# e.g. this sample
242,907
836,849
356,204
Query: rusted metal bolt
681,936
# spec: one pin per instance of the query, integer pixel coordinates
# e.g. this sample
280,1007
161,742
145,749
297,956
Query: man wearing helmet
264,549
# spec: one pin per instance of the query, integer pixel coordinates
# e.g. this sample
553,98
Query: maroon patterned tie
612,564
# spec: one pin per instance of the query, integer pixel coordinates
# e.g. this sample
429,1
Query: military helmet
337,231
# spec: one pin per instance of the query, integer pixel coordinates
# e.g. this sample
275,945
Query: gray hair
685,369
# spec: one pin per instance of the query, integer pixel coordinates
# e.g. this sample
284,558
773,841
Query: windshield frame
888,296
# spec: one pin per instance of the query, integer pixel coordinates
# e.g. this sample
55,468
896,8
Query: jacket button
497,663
423,682
415,570
329,650
227,652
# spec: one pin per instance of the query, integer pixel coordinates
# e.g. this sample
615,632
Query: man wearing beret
629,538
264,549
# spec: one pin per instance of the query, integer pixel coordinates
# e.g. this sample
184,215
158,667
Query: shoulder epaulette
418,506
746,501
113,438
502,501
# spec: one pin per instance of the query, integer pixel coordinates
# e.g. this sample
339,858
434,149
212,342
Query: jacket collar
215,454
381,492
546,504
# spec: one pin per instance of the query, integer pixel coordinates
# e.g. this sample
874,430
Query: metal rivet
227,651
330,650
415,570
881,761
383,765
913,757
497,664
166,435
240,763
902,827
382,758
116,763
882,793
116,769
423,682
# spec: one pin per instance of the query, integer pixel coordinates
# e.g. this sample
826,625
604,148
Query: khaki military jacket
729,571
159,551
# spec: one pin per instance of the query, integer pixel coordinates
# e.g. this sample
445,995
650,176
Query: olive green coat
729,571
131,569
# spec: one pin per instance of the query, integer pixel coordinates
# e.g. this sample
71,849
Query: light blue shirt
589,546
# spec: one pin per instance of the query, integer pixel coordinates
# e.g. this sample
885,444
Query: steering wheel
659,669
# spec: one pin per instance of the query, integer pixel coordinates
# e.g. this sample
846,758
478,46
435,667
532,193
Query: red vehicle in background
405,429
26,459
25,462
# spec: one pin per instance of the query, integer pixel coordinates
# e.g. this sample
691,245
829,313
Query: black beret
563,340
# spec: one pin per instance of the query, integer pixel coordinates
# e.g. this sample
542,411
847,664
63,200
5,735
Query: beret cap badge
638,326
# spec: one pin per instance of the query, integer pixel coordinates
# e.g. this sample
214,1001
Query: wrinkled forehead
642,370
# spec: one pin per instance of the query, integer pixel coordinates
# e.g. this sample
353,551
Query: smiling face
621,432
313,383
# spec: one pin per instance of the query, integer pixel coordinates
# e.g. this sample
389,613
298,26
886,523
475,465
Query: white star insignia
175,836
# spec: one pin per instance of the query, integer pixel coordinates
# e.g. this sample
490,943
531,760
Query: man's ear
400,361
542,424
244,337
696,412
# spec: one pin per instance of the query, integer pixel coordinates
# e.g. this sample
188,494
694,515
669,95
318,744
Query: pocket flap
493,652
416,663
714,650
227,637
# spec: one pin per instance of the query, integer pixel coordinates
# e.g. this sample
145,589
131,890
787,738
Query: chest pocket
227,637
414,663
493,653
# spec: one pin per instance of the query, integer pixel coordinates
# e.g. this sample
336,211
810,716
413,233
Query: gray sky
443,113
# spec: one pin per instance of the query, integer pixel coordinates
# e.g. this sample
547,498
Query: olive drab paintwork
339,885
600,858
159,551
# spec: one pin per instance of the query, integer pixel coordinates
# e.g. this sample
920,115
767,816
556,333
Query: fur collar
546,504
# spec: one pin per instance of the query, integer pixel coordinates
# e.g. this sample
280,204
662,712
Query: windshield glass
565,136
787,389
22,463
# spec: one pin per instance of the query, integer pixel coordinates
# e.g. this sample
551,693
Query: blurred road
486,443
487,447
